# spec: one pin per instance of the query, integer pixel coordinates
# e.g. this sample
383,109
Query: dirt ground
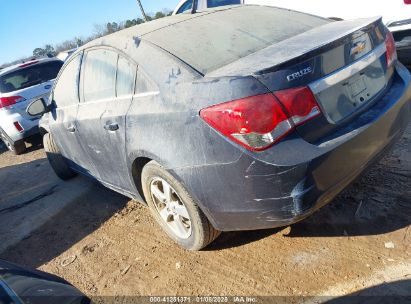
105,244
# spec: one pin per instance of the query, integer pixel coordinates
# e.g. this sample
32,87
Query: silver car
19,85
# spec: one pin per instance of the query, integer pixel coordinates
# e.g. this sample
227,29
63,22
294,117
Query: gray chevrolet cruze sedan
234,118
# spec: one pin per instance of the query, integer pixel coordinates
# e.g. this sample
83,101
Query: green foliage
159,15
46,50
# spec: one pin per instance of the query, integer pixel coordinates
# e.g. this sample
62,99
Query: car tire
17,147
56,160
197,231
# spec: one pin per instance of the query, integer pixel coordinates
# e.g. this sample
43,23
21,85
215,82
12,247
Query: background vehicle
22,285
64,55
396,14
19,85
251,126
186,5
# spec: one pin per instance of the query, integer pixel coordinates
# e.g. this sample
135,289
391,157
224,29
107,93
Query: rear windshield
217,39
29,76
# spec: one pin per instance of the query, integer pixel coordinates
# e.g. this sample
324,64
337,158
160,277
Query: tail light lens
18,126
258,122
300,104
28,63
407,1
391,49
11,100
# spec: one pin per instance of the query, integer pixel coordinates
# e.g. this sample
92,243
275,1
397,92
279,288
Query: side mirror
37,107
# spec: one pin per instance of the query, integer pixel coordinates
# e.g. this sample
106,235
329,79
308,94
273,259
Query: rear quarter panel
164,125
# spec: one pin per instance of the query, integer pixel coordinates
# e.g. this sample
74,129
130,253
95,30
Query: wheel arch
136,170
141,159
43,131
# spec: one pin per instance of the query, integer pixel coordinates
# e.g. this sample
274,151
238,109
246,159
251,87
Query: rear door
108,87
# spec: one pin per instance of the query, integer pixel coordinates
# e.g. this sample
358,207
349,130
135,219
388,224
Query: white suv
19,85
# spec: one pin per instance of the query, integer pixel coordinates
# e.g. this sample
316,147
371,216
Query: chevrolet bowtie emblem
358,48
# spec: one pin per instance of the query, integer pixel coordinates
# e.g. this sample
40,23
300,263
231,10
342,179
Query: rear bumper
267,190
30,127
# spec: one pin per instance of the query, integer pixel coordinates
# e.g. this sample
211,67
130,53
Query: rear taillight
299,103
11,100
391,49
258,122
26,64
407,1
255,122
18,126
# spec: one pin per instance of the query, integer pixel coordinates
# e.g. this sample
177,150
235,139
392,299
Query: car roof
214,37
23,65
155,25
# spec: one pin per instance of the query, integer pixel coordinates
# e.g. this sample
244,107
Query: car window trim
134,76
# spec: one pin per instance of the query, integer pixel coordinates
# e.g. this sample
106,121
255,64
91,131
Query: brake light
299,103
28,63
11,100
255,122
391,49
18,126
407,1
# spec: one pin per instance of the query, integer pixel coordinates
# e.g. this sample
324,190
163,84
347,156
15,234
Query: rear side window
215,3
126,71
185,7
29,76
66,89
100,75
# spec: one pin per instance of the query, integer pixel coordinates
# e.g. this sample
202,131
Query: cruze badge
299,74
358,48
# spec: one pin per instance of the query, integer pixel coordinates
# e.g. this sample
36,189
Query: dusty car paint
236,188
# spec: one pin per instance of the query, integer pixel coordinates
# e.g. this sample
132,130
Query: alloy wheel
171,208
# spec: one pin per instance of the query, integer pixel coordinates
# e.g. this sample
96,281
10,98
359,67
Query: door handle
71,128
111,127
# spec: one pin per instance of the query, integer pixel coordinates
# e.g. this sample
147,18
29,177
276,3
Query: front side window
215,3
29,76
100,75
185,7
66,89
126,71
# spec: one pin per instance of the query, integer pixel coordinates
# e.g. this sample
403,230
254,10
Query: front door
62,119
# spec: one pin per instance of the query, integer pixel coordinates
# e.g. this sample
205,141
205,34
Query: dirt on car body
107,245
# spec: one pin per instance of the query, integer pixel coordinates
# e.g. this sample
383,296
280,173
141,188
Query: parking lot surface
105,244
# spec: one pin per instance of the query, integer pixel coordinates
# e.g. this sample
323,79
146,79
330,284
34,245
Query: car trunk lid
343,63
